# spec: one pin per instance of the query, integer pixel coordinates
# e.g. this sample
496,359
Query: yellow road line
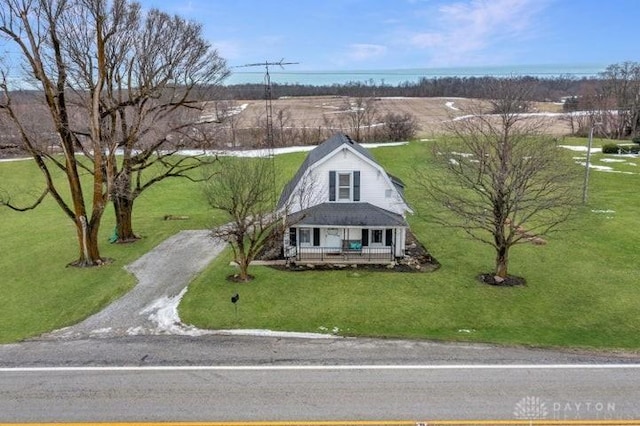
246,423
359,423
534,423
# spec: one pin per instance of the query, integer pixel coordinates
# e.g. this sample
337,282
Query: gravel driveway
150,307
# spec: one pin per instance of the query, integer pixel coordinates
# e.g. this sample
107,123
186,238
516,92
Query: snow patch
603,211
253,153
271,333
524,114
450,106
613,160
462,154
463,117
7,160
596,166
163,313
580,148
216,117
102,330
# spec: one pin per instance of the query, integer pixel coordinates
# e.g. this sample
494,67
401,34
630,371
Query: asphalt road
181,378
329,393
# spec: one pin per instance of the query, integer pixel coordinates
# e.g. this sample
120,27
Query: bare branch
5,200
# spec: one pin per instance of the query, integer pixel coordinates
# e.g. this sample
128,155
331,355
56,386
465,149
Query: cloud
228,49
467,31
363,52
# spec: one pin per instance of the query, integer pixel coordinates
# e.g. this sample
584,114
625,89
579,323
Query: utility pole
585,185
269,139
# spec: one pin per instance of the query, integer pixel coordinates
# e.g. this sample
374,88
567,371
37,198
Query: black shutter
356,185
316,237
332,185
388,237
365,237
293,240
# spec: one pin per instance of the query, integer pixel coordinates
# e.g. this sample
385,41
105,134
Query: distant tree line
544,89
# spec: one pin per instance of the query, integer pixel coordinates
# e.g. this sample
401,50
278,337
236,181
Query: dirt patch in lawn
509,281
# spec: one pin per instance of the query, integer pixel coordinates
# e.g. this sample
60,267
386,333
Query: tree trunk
88,243
243,266
123,207
502,262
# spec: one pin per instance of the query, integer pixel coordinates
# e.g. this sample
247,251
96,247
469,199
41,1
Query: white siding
374,183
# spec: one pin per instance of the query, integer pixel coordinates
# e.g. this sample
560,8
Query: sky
404,34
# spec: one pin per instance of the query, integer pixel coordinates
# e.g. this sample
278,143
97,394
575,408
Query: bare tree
227,114
160,72
285,133
243,189
360,113
36,29
622,89
400,127
132,85
499,179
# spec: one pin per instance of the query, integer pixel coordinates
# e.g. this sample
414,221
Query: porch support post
393,243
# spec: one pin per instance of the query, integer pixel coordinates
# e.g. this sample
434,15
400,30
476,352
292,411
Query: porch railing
337,254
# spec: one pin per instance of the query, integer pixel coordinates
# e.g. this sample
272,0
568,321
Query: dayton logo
531,408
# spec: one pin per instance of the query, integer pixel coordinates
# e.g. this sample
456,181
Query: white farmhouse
342,206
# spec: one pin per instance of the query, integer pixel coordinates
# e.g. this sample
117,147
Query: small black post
234,300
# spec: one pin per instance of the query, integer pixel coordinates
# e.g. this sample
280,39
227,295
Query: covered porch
347,233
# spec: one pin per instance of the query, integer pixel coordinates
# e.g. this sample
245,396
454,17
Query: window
344,186
305,236
376,236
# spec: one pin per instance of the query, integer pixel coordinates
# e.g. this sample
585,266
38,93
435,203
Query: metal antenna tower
269,140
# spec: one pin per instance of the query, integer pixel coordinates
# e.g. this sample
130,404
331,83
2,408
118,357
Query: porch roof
346,214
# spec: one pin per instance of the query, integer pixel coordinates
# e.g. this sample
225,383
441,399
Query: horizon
399,76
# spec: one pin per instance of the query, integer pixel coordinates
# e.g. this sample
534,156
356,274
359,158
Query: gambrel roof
317,154
320,152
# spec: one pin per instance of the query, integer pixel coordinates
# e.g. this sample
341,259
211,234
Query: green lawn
582,286
38,293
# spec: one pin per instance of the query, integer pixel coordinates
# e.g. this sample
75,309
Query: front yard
581,287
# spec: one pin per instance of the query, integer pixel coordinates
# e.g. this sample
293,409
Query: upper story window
344,186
